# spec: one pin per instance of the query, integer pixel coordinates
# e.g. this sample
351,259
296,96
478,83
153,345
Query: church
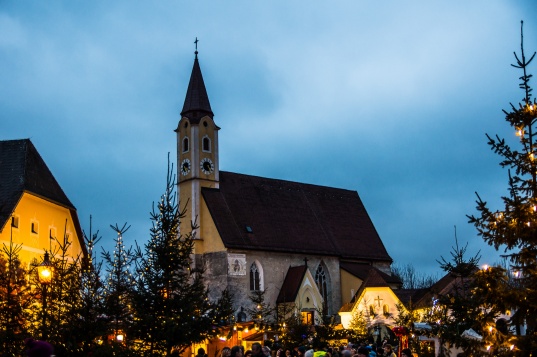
310,245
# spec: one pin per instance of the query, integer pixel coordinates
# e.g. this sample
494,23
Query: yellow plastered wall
48,219
349,283
210,239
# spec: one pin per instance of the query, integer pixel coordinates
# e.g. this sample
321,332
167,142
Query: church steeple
196,101
197,149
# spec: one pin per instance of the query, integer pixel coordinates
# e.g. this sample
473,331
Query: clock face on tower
185,167
206,166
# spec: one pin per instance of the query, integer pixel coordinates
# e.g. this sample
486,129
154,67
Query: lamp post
44,272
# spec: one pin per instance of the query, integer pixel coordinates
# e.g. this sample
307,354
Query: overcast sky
388,98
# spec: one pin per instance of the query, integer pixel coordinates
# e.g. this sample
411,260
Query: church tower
197,149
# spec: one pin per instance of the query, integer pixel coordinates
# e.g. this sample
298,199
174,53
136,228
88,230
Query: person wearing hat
362,352
372,353
300,351
37,348
406,352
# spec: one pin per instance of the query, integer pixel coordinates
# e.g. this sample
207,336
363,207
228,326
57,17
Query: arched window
321,279
385,310
206,144
255,278
371,310
185,144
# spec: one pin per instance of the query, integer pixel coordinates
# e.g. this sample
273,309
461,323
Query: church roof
363,271
291,284
257,213
196,103
23,170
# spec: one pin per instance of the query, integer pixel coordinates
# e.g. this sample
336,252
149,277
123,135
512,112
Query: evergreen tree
118,288
15,300
514,228
89,323
457,309
61,299
170,300
260,311
292,331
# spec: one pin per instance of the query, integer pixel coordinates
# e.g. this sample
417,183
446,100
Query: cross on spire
306,261
196,44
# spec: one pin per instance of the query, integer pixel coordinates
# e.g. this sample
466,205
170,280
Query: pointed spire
197,101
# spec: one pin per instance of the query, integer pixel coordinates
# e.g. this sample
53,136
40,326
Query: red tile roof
291,284
257,213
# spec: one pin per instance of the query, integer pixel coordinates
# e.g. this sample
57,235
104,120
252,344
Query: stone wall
221,272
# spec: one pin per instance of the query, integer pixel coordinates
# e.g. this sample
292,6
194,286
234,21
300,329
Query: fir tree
171,304
514,228
119,286
62,299
260,311
89,321
15,300
457,309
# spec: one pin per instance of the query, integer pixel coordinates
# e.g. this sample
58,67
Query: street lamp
44,273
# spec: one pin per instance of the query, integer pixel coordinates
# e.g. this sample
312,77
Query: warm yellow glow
490,328
488,348
485,267
44,270
531,156
119,337
512,347
246,329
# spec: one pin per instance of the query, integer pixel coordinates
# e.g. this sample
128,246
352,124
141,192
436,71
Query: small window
15,221
206,144
385,310
249,229
371,310
185,144
35,227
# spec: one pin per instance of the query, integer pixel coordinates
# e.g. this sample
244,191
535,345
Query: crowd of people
363,350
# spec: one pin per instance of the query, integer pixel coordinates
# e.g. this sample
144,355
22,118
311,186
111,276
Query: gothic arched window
206,144
185,144
255,278
321,279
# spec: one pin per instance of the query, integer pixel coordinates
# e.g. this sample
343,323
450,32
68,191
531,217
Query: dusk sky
389,98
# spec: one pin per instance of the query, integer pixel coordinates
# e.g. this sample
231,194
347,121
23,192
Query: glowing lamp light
488,348
485,267
490,328
120,337
512,347
44,270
